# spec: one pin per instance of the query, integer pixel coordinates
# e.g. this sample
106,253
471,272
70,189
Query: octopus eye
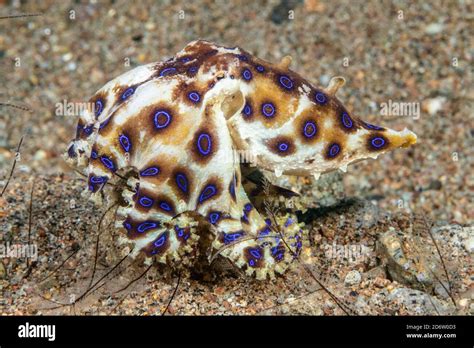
128,92
320,98
286,82
194,97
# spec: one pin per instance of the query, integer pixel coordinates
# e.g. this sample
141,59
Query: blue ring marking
185,59
248,207
231,237
150,171
88,129
165,206
181,232
256,253
260,68
247,74
127,93
193,69
71,151
377,142
267,113
283,147
194,97
145,201
94,154
242,57
160,241
98,107
125,142
312,129
334,150
244,218
247,110
156,119
286,82
98,179
277,253
214,217
168,71
320,98
232,188
127,225
371,126
252,263
105,123
107,162
209,191
346,120
182,182
209,144
268,221
145,226
288,222
266,231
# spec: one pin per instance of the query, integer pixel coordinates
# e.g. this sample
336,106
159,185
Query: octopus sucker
165,134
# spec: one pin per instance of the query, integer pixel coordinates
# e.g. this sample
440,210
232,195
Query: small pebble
352,278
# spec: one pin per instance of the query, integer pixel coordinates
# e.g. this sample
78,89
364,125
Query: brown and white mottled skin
181,124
